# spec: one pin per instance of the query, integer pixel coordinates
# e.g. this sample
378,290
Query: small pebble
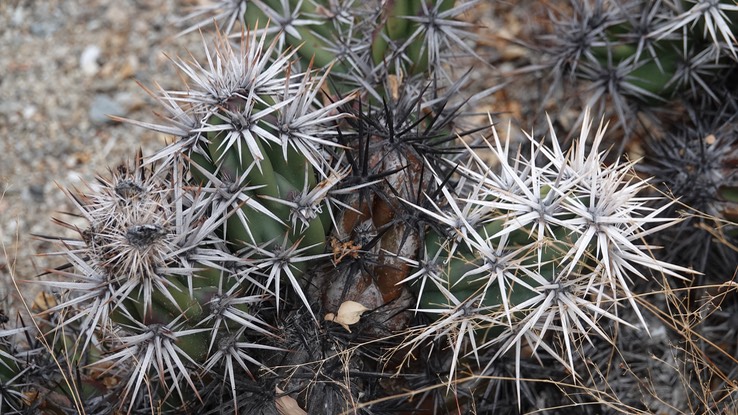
102,106
10,107
29,111
36,192
19,16
44,29
88,61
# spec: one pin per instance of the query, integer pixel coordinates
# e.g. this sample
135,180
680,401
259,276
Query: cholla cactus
695,162
316,163
185,258
366,41
632,55
543,248
145,272
34,378
12,372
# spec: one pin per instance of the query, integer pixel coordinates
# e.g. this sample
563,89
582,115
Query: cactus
365,41
695,162
532,250
12,372
322,161
632,57
191,258
665,70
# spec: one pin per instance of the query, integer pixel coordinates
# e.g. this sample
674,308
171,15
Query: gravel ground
65,64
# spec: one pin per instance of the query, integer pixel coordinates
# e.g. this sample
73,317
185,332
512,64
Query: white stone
88,60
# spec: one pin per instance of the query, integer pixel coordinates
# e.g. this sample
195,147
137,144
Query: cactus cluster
695,161
13,371
327,233
632,57
666,71
544,247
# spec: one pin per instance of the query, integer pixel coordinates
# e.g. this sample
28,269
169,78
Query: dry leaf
43,302
287,405
348,313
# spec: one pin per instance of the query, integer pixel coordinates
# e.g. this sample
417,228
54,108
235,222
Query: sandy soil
64,64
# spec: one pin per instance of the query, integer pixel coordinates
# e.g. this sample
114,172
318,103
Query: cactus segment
531,243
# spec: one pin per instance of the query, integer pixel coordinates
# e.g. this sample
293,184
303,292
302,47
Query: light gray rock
104,105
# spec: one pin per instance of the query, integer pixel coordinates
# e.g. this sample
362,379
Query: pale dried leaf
348,313
43,302
287,405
